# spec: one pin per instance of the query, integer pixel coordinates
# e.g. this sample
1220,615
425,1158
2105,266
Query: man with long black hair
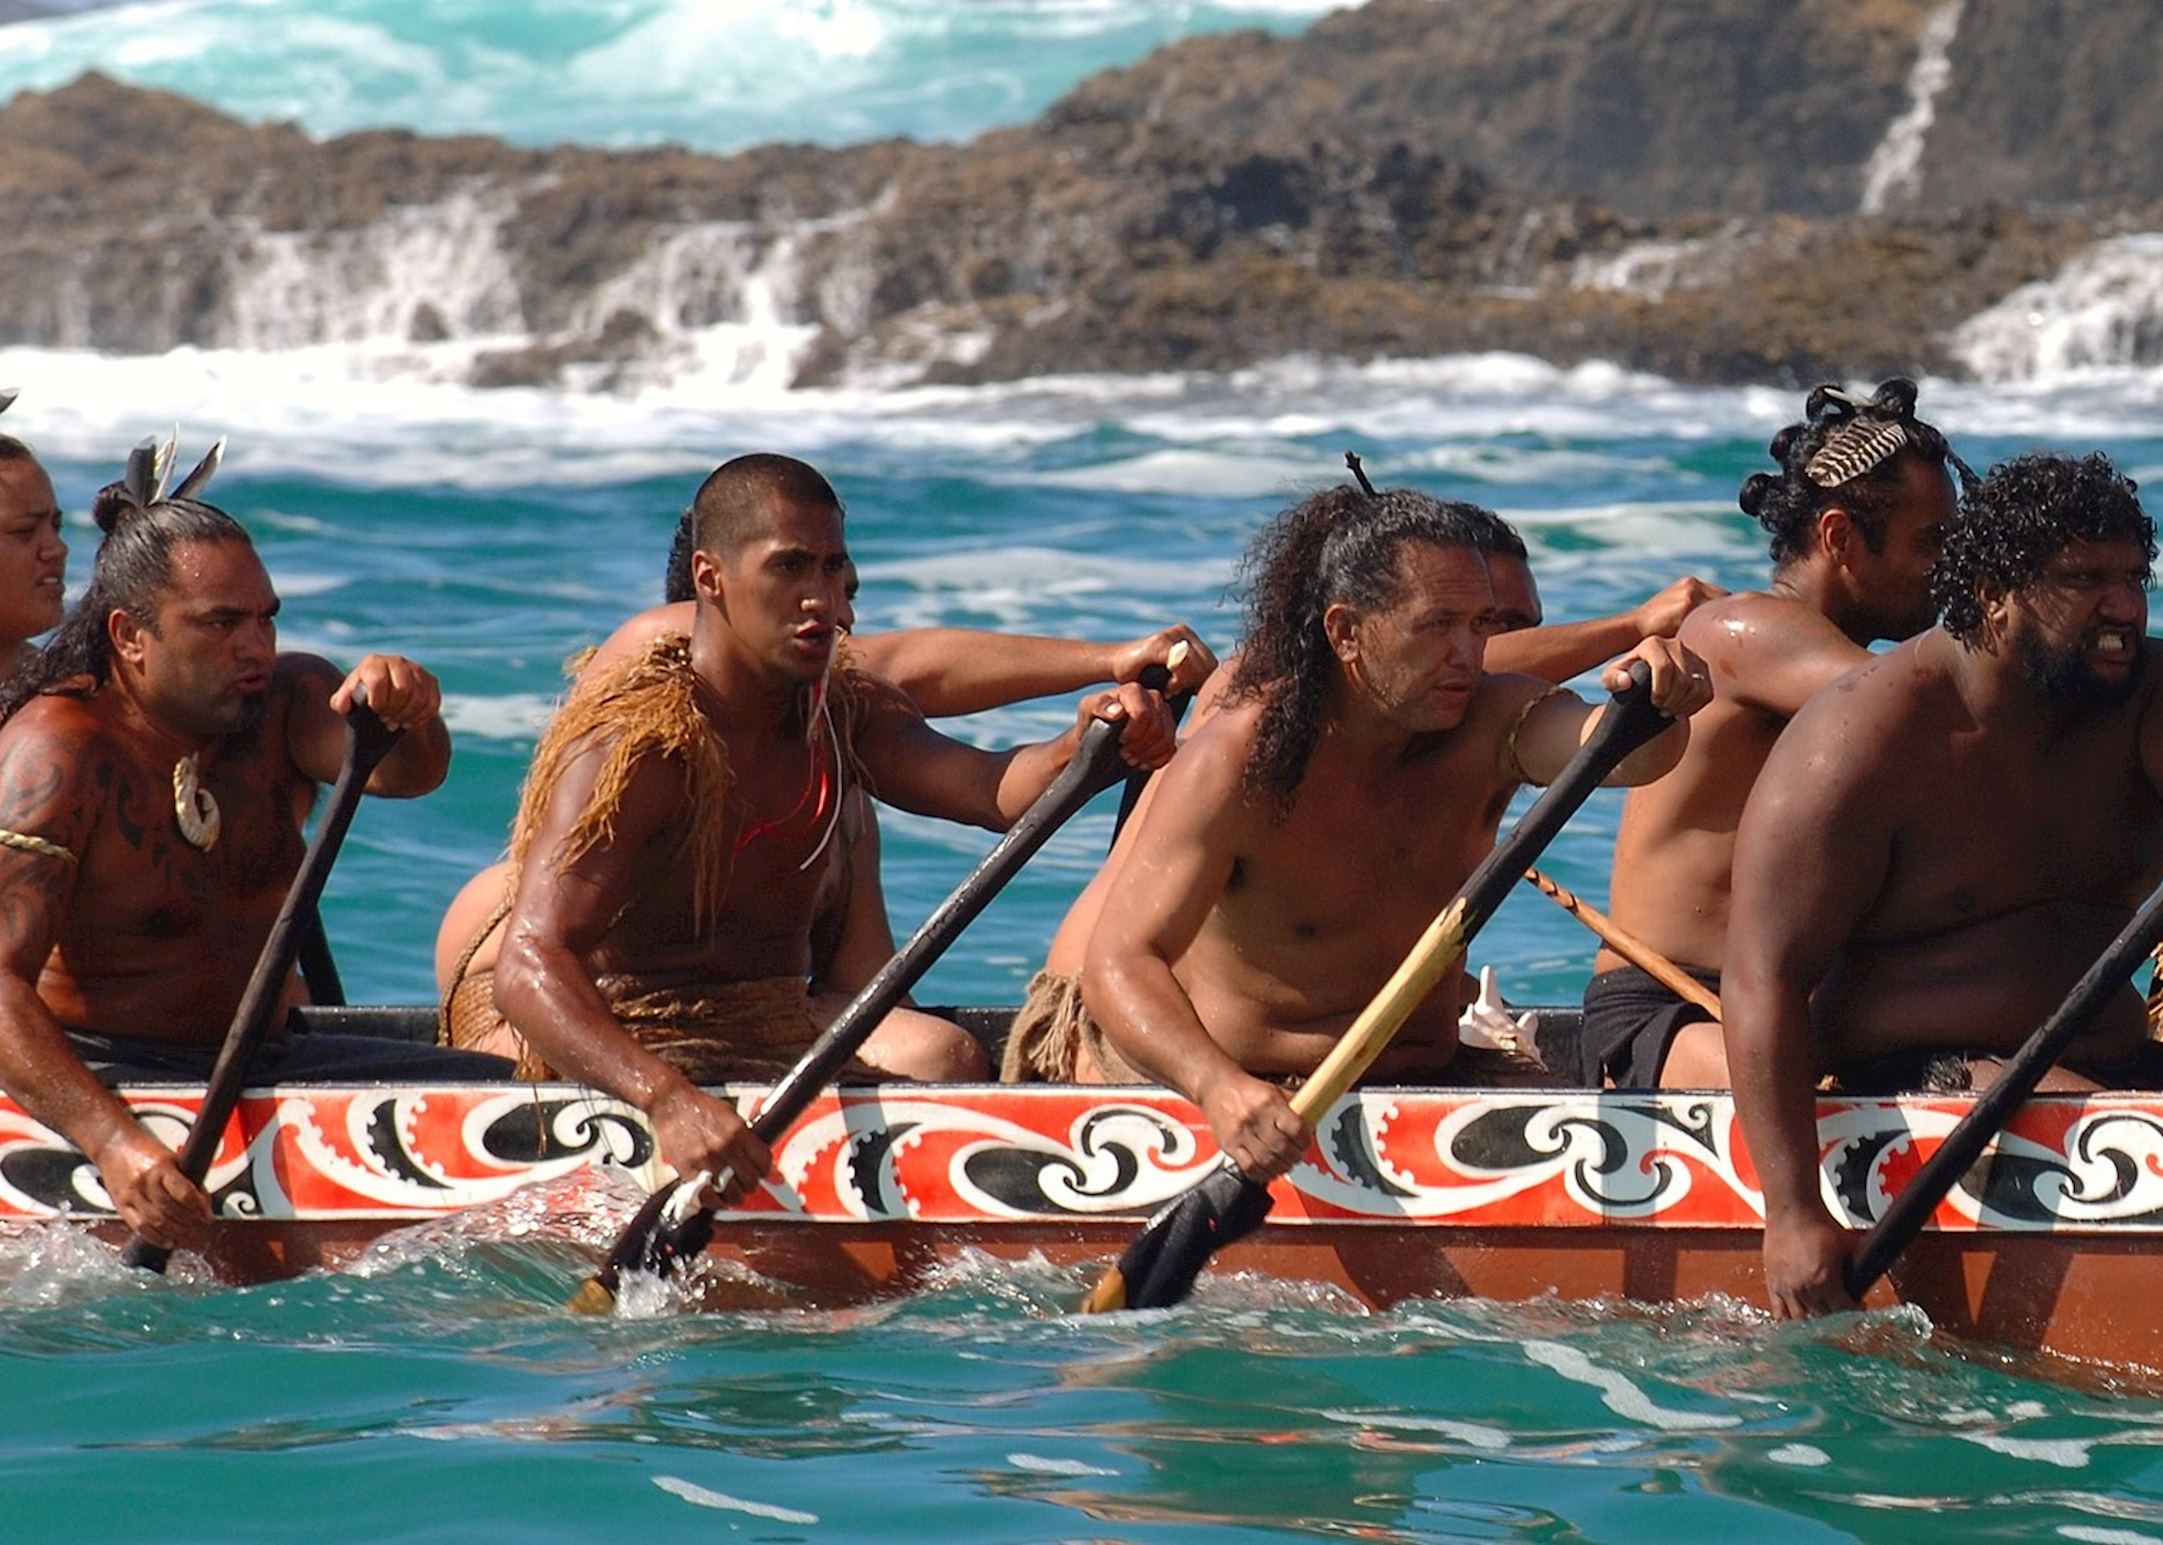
1305,836
1937,849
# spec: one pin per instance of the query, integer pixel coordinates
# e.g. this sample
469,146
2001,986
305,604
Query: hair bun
1756,489
1895,398
1784,442
113,507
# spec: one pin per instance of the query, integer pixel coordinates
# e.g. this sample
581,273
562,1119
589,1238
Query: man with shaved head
684,819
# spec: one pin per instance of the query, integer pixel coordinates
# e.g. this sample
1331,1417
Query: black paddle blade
1159,1268
649,1246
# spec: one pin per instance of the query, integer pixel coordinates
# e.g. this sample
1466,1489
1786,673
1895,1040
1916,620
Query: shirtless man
1053,1037
155,768
1351,779
1938,848
33,558
677,828
1856,513
945,672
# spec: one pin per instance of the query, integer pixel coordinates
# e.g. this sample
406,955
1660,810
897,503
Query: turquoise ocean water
437,1392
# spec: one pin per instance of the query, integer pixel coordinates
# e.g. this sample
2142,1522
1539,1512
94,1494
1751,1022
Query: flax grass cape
653,704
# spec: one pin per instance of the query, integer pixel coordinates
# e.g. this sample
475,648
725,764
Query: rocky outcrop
1667,186
2051,103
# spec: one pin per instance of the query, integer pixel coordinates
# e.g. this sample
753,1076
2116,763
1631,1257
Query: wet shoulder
60,724
1733,632
1889,700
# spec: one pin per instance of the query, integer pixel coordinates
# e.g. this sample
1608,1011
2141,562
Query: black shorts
1630,1022
311,1057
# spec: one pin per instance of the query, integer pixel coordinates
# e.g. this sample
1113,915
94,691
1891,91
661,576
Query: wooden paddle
1159,1268
1912,1208
368,741
1627,944
675,1223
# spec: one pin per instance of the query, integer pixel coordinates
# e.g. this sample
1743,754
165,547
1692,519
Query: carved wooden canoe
2052,1242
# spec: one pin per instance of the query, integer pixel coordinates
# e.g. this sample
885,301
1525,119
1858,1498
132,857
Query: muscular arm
950,671
543,986
559,915
400,691
915,767
1811,856
47,791
1158,899
1559,651
1549,733
2151,717
1772,655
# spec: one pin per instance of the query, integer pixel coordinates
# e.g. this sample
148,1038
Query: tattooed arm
50,778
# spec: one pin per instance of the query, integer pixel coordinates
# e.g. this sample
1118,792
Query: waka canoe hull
2051,1243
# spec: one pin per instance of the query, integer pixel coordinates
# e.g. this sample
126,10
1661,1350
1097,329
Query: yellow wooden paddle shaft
1440,950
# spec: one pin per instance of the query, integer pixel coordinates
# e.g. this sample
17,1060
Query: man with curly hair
1856,514
1306,835
1939,848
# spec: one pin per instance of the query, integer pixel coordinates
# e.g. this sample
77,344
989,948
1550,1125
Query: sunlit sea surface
439,1392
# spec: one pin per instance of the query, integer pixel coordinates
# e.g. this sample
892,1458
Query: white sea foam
1492,1440
700,1496
1192,472
290,583
2102,311
1802,1455
347,413
2092,1534
1037,1464
1620,1395
515,716
2066,1453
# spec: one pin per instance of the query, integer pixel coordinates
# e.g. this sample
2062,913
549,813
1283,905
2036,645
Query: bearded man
1939,847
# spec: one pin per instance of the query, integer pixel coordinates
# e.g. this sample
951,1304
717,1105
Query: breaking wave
712,74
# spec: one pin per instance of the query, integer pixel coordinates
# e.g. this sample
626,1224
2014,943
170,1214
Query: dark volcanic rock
1742,105
1619,179
2053,103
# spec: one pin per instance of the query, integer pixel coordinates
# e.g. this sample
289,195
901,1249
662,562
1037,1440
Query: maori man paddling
1054,1038
1352,778
1938,847
33,558
155,768
676,832
943,672
1857,512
